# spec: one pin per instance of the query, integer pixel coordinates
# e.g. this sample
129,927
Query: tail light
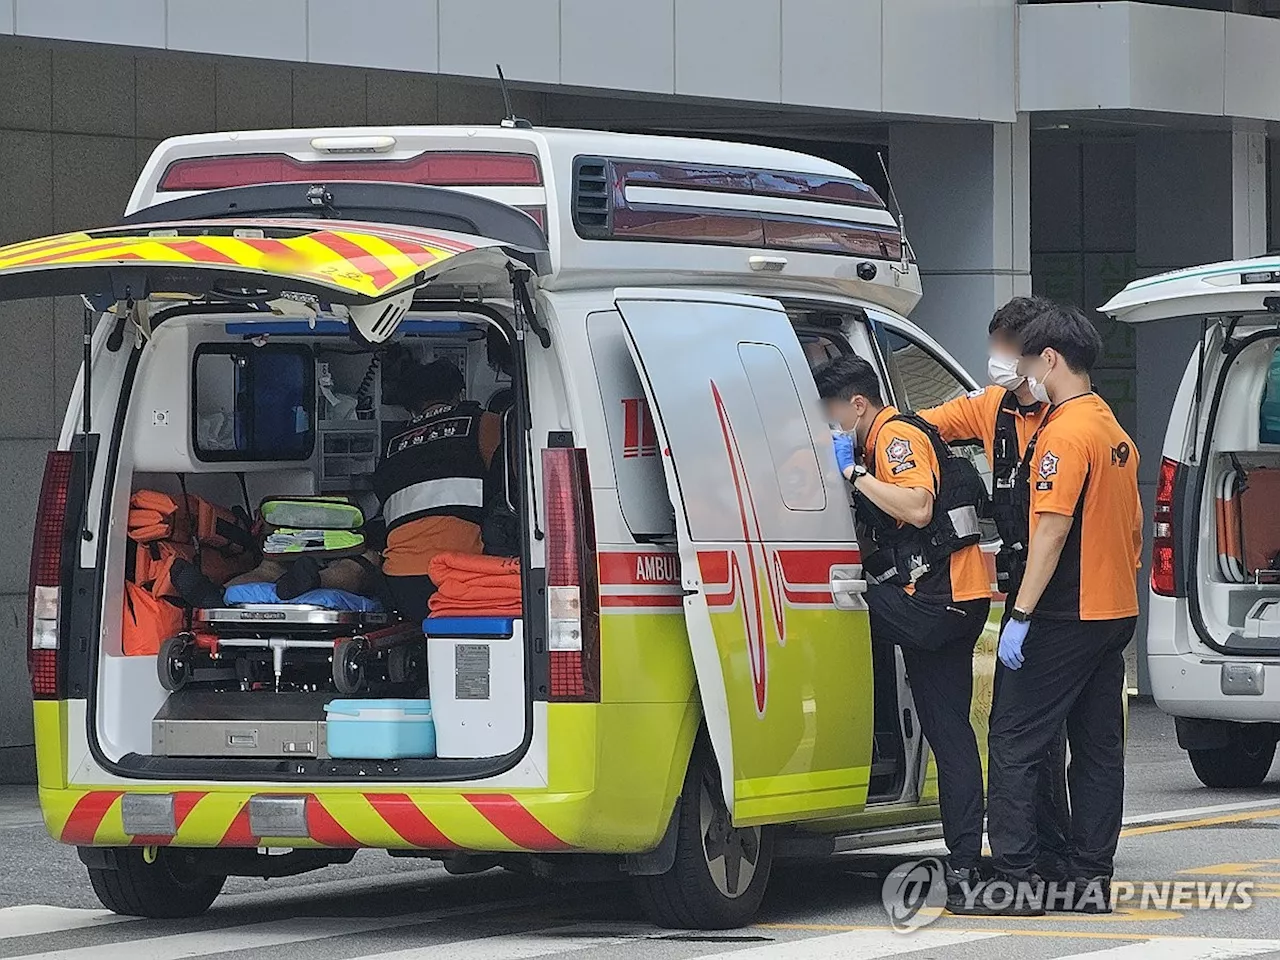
573,594
1164,559
432,169
46,576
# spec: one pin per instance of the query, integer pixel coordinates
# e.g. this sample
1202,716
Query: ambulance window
253,403
786,426
820,347
926,381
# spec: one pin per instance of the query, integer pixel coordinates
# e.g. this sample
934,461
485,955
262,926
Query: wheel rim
352,667
732,853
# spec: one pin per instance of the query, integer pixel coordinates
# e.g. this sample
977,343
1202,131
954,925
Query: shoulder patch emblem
1048,465
975,394
898,450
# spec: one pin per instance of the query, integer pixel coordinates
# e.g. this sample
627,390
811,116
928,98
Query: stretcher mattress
326,599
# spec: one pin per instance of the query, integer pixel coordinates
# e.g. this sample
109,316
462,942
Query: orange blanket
473,585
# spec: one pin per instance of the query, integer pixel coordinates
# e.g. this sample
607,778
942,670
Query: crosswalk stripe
34,919
255,936
515,946
1183,948
861,945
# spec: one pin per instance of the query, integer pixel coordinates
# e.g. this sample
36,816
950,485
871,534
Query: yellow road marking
1202,822
1009,931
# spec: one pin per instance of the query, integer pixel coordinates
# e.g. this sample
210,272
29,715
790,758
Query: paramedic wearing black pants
936,619
1075,612
1004,419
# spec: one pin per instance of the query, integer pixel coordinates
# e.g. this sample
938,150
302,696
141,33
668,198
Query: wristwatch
1019,616
858,471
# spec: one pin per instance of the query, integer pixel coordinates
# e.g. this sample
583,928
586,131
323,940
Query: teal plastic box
380,729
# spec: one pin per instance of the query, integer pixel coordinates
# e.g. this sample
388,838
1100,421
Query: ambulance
688,692
1213,627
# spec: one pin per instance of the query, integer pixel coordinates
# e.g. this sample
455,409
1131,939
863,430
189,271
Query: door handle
847,587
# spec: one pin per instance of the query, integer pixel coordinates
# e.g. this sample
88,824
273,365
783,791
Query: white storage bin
477,686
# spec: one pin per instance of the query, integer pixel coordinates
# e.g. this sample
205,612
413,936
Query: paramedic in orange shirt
431,482
1003,418
936,618
1074,615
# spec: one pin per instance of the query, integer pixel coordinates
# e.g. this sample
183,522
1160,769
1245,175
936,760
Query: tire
404,663
1245,762
701,891
348,667
173,663
162,890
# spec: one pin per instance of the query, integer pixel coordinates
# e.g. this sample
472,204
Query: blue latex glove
1011,638
844,451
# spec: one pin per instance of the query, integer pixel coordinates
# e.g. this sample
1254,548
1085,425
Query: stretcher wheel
348,666
173,663
404,663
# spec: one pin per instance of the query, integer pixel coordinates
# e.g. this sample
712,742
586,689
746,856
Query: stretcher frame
356,641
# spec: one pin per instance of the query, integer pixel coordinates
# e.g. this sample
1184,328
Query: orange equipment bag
220,542
148,621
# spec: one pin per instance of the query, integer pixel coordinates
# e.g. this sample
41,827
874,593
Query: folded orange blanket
475,585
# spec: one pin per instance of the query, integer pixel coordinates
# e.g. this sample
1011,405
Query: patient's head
433,385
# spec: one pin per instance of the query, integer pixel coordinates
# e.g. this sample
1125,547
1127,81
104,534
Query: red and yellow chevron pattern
343,820
353,258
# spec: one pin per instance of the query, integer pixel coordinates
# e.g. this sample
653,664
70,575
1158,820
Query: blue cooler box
380,729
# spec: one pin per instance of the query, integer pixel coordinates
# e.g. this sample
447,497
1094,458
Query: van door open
780,635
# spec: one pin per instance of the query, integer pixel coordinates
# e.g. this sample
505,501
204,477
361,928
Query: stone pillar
965,194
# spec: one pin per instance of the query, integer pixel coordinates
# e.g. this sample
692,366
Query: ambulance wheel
348,667
404,663
164,889
720,872
1244,762
174,663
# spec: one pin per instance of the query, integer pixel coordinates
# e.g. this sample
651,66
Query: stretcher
300,645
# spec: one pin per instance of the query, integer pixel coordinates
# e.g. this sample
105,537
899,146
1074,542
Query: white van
1213,635
685,688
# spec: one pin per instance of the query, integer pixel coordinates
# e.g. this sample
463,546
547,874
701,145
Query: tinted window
925,380
795,463
253,403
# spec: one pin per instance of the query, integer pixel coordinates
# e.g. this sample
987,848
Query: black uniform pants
937,642
1053,813
1073,672
411,596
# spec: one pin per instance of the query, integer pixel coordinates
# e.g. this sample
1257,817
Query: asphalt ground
1176,831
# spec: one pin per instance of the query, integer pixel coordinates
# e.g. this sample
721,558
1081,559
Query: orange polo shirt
903,456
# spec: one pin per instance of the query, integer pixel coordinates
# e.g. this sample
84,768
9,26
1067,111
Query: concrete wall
942,58
1146,56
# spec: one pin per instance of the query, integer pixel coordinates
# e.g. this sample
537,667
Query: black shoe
1088,895
1004,896
963,888
302,576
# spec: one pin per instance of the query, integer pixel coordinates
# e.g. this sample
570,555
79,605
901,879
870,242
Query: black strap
192,525
1005,453
244,490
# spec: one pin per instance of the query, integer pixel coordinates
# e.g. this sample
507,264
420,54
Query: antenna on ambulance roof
510,120
904,265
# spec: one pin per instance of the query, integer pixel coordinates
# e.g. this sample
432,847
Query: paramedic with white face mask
1074,614
1004,419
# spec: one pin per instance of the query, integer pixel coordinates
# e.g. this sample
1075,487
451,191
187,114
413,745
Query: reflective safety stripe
432,495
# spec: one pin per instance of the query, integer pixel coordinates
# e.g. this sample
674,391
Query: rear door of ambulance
370,270
770,569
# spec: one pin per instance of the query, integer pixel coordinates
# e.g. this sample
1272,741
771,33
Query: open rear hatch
311,271
1216,539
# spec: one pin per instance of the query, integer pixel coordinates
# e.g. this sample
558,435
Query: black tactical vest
434,468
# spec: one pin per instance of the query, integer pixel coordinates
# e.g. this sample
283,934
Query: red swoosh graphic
756,642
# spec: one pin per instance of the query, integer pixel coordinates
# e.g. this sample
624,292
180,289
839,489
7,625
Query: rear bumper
1190,685
614,800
